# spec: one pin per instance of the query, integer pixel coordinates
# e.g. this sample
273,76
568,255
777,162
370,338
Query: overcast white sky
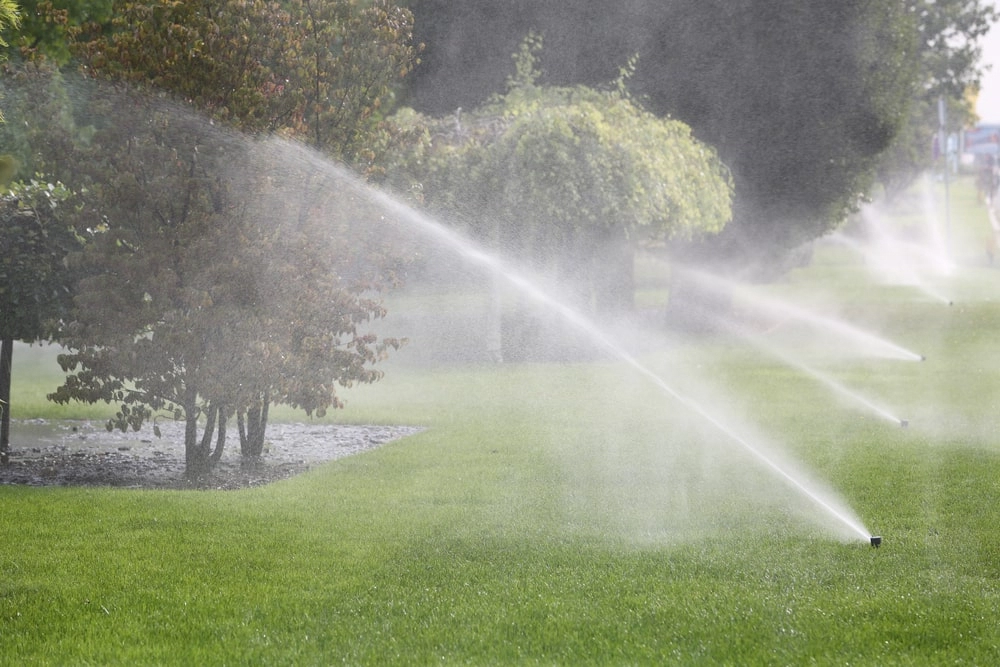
988,104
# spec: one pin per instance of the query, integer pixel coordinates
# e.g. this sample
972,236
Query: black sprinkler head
876,541
923,358
904,422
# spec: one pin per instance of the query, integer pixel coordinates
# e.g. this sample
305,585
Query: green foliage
198,301
47,26
799,98
320,71
947,61
10,18
43,132
557,174
216,58
341,69
217,286
37,237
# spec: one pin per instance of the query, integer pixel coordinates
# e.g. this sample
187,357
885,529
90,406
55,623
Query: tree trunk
195,453
613,277
220,442
252,426
6,366
695,307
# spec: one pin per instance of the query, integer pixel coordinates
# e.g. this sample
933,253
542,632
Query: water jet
532,288
825,379
864,341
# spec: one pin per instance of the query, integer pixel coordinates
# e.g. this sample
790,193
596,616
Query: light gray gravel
84,453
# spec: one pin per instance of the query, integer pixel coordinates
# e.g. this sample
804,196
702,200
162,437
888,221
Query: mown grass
566,514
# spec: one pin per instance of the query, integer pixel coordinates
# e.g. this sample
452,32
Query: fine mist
665,456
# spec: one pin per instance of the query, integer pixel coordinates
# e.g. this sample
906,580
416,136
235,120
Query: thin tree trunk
206,437
220,442
195,459
6,366
614,278
253,425
241,428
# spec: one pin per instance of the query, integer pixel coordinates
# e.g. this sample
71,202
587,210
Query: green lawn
571,514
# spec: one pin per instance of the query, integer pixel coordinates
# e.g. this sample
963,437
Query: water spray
831,383
471,251
841,328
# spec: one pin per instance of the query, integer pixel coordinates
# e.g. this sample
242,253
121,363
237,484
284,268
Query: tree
799,98
10,18
199,303
217,57
35,279
47,25
948,67
341,70
571,180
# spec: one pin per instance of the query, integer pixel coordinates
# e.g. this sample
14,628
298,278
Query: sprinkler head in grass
876,541
904,423
923,358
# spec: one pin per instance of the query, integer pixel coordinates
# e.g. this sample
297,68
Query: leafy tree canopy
799,98
947,62
226,278
46,26
35,278
559,174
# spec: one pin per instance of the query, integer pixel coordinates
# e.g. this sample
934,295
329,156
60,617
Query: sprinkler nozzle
904,423
923,358
951,303
876,541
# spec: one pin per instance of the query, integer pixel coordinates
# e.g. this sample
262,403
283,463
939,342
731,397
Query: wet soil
84,453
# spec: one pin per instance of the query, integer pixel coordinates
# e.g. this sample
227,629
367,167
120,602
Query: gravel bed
84,453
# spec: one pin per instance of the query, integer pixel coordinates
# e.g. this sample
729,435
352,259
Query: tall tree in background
341,70
47,26
10,18
798,97
948,67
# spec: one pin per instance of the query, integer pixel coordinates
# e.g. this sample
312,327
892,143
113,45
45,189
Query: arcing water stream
817,375
518,280
863,340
